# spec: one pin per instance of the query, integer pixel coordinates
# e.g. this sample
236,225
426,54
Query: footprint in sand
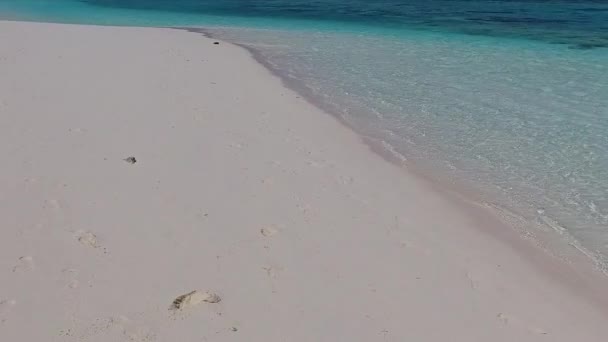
504,318
315,164
53,204
6,306
194,298
268,231
69,276
236,145
345,180
87,239
77,130
25,264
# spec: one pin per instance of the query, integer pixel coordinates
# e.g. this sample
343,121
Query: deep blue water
580,24
507,98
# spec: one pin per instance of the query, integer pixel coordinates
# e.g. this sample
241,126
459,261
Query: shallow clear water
509,98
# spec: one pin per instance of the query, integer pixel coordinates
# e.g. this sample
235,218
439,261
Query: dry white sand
286,223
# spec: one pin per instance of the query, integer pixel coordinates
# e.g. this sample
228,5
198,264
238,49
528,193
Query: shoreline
558,243
307,177
553,243
529,219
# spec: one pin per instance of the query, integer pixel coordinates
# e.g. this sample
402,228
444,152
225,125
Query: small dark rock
130,160
234,329
216,43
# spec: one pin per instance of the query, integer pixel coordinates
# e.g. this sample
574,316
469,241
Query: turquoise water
508,99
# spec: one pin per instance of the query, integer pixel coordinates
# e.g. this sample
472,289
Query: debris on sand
130,160
216,43
194,298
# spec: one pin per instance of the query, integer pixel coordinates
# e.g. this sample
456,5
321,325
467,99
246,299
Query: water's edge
553,242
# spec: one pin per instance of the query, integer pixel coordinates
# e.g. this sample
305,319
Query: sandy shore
241,188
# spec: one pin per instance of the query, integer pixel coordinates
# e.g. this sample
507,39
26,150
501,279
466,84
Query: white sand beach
283,219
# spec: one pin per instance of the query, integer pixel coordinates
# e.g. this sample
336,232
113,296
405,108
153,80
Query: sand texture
140,164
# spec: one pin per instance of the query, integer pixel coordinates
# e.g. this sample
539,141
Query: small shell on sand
268,232
88,239
194,298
